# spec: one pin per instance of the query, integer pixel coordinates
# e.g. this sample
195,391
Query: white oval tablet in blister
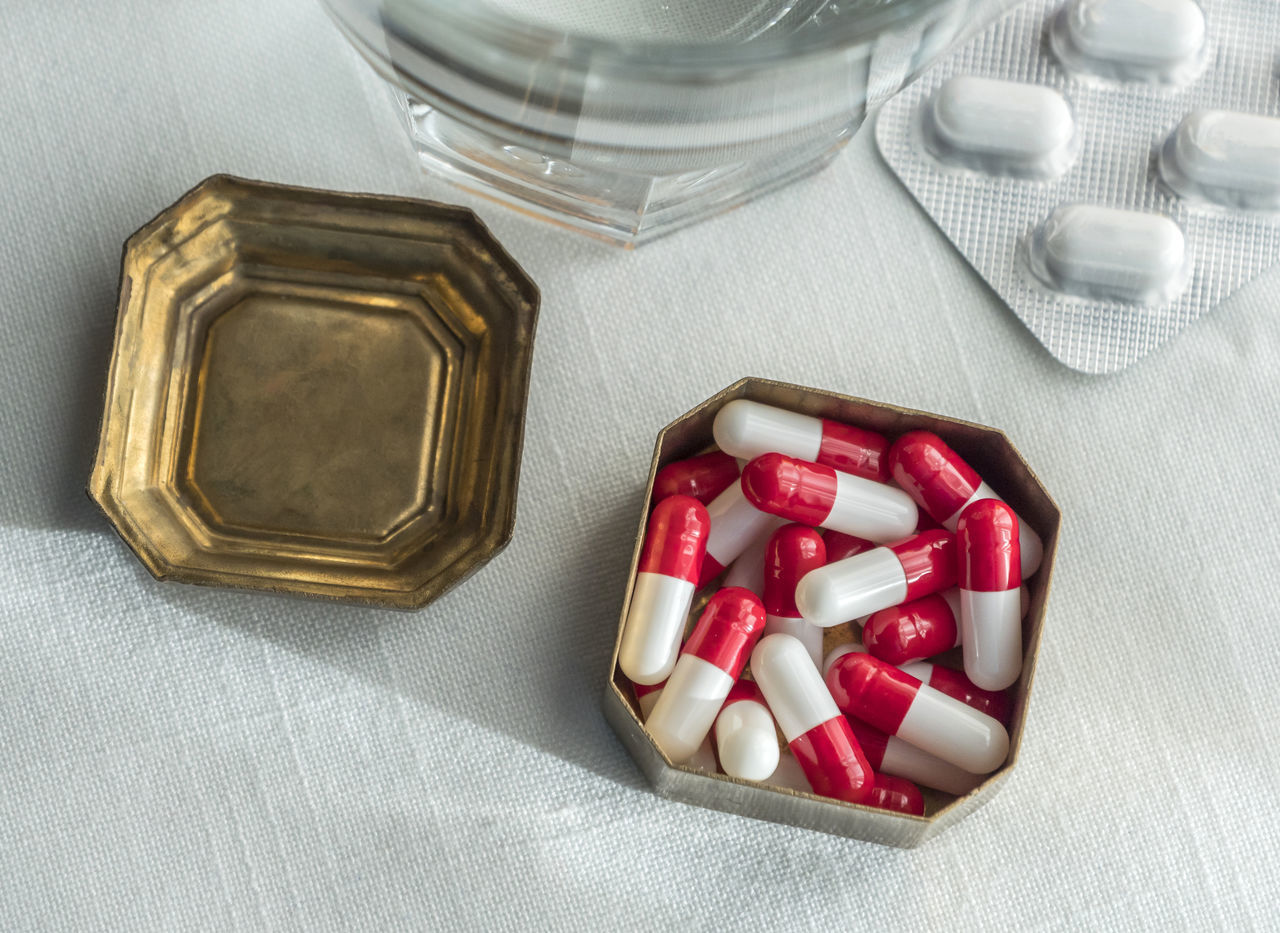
1107,252
1144,40
1225,157
1000,127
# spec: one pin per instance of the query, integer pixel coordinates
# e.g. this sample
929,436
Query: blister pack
1110,167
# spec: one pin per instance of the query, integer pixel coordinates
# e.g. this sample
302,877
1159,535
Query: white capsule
991,632
852,588
867,509
798,698
1107,252
687,708
746,740
735,524
655,623
648,695
945,727
804,632
1228,158
1131,40
747,429
905,760
1000,127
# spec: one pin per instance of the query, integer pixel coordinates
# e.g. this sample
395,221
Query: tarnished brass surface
998,462
316,393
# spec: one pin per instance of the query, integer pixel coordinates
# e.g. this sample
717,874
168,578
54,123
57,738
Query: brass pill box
316,393
990,452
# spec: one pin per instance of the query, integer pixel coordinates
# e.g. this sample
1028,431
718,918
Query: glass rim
544,42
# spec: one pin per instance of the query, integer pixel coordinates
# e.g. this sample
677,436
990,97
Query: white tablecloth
174,757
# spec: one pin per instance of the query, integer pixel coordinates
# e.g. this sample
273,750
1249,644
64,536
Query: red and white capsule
703,477
663,592
990,594
943,484
735,523
746,738
748,429
815,494
818,736
898,704
917,629
995,703
879,578
888,754
710,662
896,793
793,551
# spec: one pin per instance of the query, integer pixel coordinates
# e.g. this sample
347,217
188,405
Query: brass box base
1000,464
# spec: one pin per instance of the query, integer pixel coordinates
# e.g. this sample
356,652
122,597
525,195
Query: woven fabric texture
177,758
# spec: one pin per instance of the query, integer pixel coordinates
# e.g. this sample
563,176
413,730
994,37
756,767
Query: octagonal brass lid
316,393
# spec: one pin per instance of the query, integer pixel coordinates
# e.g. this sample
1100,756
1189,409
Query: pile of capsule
821,526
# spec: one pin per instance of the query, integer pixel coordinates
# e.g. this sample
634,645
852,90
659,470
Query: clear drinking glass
628,119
